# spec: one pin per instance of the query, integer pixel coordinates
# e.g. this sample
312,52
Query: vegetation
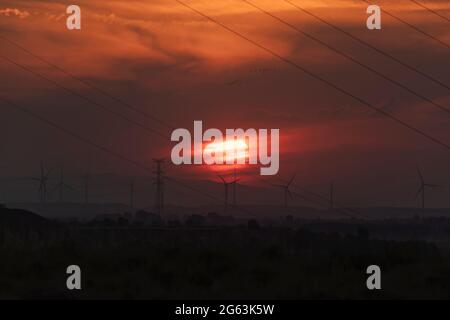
250,261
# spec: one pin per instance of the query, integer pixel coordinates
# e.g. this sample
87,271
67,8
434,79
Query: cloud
176,65
14,12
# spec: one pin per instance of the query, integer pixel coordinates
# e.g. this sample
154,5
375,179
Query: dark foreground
235,262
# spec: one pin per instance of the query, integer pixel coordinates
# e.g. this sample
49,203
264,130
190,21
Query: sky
175,65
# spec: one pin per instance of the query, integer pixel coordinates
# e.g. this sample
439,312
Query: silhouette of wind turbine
423,186
43,179
226,184
287,192
62,185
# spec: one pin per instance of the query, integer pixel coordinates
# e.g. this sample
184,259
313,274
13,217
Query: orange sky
174,64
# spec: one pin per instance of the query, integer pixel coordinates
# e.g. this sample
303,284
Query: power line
97,145
90,101
37,74
384,53
348,57
80,80
341,210
322,200
94,87
328,201
109,151
86,83
51,64
317,77
412,26
160,121
431,10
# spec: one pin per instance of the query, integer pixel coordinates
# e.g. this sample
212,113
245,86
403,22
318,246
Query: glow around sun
231,150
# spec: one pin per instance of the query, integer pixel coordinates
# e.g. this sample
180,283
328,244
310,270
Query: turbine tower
226,184
62,185
43,179
423,186
287,192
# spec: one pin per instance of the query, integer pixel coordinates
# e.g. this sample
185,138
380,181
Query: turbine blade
221,178
290,195
418,192
420,175
290,181
48,172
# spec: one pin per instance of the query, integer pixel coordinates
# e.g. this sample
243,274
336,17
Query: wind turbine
423,186
43,179
62,185
226,184
287,192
